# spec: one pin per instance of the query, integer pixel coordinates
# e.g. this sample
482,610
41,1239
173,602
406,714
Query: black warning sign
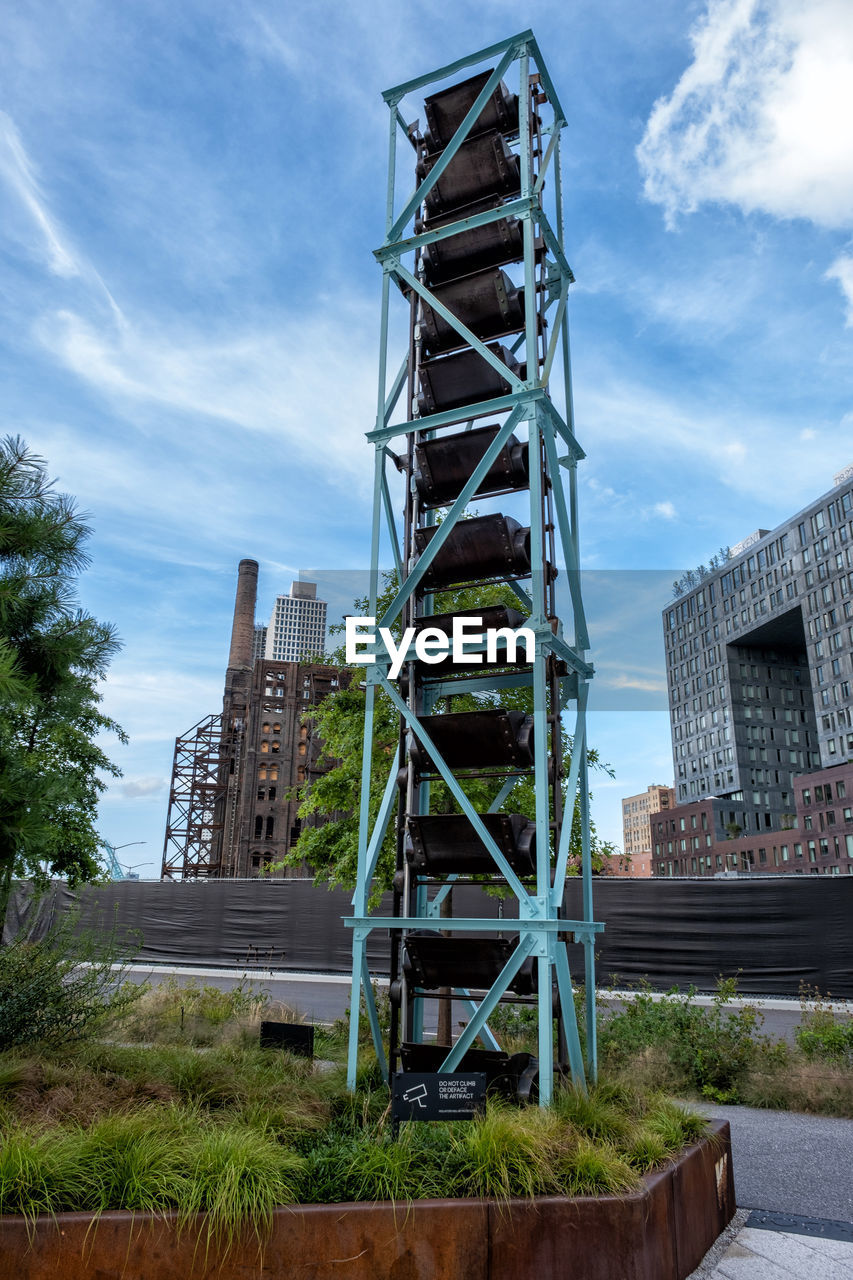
431,1095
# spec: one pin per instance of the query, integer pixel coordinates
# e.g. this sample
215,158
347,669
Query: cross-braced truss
480,204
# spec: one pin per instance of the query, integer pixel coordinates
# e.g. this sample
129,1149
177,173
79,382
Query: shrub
62,988
824,1034
712,1048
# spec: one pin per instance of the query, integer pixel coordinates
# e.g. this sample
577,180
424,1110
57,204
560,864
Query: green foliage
712,1048
61,989
52,658
823,1033
332,799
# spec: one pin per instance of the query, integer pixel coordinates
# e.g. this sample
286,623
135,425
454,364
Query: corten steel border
657,1233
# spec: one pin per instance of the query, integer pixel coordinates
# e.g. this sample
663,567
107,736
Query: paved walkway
794,1186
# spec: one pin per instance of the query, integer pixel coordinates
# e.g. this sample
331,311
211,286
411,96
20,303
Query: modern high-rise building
297,628
232,805
259,641
758,657
637,831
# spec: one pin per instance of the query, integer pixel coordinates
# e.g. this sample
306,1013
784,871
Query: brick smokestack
243,627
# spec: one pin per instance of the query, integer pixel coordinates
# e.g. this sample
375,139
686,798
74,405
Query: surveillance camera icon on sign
416,1094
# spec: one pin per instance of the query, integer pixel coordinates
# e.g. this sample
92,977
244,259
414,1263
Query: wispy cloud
51,244
307,381
18,171
725,443
642,683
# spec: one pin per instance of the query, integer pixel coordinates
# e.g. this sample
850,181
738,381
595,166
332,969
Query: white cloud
763,116
142,787
842,271
665,509
153,705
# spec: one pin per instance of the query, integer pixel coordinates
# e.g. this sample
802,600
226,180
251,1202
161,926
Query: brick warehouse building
230,808
758,656
706,838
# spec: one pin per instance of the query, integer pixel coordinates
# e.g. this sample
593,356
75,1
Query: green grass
230,1133
182,1111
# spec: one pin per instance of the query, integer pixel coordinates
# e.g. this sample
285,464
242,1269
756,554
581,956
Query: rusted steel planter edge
660,1232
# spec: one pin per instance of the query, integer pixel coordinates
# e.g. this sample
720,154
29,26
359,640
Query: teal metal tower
475,255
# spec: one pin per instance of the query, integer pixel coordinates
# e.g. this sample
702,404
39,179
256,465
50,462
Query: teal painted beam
459,64
433,421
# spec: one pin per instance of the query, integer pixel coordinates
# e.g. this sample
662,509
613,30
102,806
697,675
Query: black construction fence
774,934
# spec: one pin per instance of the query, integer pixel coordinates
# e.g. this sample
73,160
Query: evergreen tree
52,658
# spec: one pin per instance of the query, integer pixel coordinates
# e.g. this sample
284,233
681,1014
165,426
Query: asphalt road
791,1163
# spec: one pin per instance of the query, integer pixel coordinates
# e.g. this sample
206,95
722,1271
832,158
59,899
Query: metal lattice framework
454,372
201,773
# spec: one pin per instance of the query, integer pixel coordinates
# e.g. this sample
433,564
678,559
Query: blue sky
189,197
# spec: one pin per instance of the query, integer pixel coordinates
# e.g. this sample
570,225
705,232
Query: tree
329,804
52,657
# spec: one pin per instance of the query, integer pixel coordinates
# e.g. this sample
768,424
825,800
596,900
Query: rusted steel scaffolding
199,807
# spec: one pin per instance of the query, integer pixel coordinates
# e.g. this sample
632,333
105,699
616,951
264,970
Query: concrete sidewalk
782,1246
